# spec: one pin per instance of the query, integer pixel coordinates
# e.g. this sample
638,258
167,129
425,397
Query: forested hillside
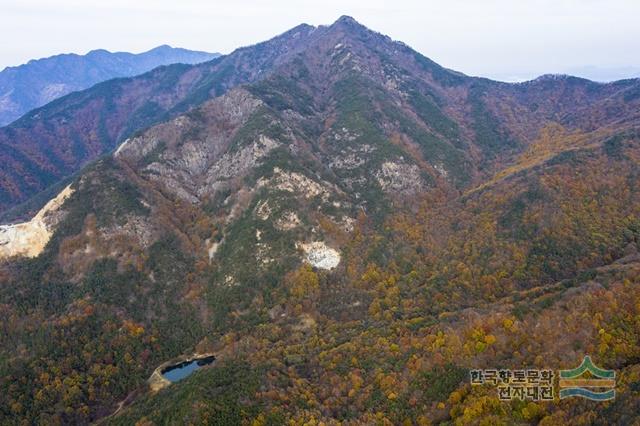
350,233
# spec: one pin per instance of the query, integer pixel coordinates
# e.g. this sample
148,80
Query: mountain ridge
39,81
350,229
205,83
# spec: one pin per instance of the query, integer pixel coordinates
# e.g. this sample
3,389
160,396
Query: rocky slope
30,238
54,141
349,228
38,82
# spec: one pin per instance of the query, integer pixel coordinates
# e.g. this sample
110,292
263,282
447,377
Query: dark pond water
177,372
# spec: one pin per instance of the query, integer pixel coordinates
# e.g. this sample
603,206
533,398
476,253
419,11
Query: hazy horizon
509,42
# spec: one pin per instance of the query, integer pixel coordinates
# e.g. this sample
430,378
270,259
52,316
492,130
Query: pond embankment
177,369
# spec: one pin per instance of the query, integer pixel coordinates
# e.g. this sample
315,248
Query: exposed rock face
235,164
263,210
350,160
295,183
134,226
319,255
289,220
440,169
29,238
191,156
61,137
399,177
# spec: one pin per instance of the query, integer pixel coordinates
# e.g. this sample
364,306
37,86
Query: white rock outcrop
298,184
234,164
319,255
121,147
399,177
30,238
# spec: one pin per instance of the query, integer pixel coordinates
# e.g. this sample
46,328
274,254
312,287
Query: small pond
177,372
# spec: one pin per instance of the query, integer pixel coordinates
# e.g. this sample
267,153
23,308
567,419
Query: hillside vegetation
350,233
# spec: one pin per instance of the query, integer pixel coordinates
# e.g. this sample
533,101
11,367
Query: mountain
40,81
54,141
348,227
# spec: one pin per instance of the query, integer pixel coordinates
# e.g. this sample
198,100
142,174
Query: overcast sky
502,39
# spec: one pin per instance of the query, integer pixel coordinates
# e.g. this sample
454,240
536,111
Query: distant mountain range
40,81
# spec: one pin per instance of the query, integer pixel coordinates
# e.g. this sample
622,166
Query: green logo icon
599,387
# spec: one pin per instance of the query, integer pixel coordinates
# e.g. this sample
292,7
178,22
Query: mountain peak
95,52
348,22
347,27
346,19
161,48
